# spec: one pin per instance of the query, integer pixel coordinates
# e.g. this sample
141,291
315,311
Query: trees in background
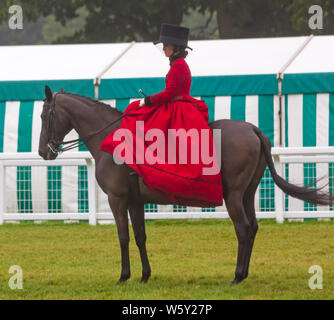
92,21
263,18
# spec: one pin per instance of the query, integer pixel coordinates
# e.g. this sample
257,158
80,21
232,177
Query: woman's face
168,49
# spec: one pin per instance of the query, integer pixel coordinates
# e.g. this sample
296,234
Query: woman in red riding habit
180,174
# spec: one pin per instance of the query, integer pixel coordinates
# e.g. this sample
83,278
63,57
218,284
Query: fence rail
282,156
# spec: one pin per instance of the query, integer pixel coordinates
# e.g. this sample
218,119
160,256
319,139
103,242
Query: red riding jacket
178,83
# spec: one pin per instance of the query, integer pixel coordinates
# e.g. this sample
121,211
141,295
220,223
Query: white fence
34,160
320,156
302,155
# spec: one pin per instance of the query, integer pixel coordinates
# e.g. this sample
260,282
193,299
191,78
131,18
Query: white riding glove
142,103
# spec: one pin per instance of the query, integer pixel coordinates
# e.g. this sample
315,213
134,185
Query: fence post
2,192
279,208
91,191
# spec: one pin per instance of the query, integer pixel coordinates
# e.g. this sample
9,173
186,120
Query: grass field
189,260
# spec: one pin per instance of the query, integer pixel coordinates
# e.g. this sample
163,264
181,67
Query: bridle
50,131
54,145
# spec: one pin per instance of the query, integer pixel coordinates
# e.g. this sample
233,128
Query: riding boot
134,186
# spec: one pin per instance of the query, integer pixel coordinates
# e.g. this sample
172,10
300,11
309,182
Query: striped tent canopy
308,111
25,70
236,78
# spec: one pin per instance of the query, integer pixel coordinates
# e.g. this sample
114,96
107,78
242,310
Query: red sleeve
174,81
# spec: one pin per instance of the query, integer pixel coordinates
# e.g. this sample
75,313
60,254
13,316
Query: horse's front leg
138,224
119,207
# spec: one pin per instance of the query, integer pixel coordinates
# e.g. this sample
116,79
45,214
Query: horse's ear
48,93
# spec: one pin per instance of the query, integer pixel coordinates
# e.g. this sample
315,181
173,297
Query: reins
79,142
72,143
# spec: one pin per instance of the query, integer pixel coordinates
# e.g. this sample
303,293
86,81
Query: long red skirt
171,147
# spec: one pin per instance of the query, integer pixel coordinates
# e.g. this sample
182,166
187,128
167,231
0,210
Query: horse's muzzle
50,153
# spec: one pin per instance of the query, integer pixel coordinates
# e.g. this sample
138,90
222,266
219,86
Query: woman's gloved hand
142,103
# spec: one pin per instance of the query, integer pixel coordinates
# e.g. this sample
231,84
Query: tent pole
97,80
280,97
280,76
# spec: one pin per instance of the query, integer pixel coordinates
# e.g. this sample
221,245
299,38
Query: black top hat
173,34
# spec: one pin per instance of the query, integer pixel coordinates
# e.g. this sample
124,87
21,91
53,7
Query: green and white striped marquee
259,107
25,70
310,118
308,111
65,189
37,189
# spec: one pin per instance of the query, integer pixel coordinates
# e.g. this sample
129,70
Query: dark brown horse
245,154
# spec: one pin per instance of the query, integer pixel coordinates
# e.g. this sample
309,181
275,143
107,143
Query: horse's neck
87,119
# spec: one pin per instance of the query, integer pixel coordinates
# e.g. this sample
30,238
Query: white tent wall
210,58
56,62
236,78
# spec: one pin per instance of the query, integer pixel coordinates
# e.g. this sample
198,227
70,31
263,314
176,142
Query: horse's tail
314,195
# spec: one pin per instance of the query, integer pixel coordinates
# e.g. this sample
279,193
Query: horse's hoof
144,279
233,283
123,278
236,281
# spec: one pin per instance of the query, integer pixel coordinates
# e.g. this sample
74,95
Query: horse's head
55,126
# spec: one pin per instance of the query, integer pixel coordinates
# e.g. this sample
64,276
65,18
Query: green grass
189,260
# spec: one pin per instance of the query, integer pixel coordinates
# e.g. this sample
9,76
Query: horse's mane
108,107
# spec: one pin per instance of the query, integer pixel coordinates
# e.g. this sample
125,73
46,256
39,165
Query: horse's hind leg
138,224
235,208
249,206
237,183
